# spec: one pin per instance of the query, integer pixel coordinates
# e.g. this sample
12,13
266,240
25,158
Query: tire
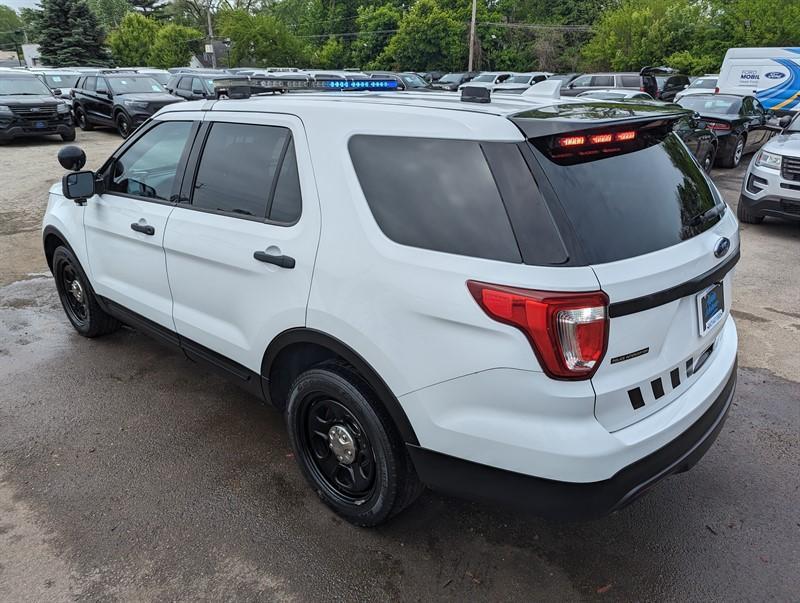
733,152
124,127
708,160
69,137
82,120
373,478
78,300
746,215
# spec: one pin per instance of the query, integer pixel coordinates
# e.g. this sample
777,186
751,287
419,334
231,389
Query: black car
122,100
699,138
739,121
29,108
200,85
670,85
451,81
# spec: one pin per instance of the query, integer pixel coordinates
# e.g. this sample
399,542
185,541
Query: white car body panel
772,75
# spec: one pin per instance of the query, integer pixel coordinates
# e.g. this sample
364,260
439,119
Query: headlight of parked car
136,104
62,108
768,160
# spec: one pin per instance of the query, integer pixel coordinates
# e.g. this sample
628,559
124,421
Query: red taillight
600,138
625,136
568,331
716,89
594,139
715,125
571,141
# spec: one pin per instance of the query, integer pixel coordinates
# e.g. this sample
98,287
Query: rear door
240,248
649,229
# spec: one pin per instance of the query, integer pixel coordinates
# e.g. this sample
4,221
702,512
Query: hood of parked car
25,100
150,97
785,144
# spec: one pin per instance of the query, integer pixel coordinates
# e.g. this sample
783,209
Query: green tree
110,12
376,25
10,23
760,22
132,42
31,22
260,39
333,54
429,37
70,34
174,45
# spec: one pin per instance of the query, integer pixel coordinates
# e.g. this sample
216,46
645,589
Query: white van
772,75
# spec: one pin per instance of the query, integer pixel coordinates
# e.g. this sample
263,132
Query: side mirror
72,158
784,121
56,91
78,186
571,85
198,93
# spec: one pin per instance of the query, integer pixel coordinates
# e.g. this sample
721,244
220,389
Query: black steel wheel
83,122
123,125
347,446
77,297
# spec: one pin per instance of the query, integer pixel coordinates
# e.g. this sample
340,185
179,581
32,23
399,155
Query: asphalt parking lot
126,472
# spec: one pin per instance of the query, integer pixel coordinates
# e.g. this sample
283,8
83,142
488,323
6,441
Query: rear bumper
570,500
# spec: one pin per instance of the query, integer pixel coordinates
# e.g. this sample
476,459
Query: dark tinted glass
185,83
635,203
238,167
434,194
603,80
89,84
286,203
631,81
148,167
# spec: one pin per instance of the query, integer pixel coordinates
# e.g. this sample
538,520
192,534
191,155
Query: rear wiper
707,216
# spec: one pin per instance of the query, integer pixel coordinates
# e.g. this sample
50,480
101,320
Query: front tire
123,125
77,297
746,215
347,446
83,121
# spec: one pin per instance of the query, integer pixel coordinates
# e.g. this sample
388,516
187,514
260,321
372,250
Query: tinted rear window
434,194
629,204
631,81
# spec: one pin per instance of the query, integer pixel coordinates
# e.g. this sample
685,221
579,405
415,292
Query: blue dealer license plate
39,125
710,307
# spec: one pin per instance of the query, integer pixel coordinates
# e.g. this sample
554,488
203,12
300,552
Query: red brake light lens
715,125
568,331
625,136
571,141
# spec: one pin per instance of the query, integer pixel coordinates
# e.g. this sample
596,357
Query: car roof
17,73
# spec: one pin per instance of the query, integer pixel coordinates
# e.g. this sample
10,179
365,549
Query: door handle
284,261
143,228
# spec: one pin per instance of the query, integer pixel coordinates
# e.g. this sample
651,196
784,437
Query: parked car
28,108
59,79
771,186
488,79
159,75
451,81
198,85
705,84
525,305
772,75
406,80
117,99
741,123
616,95
431,76
644,81
670,85
519,82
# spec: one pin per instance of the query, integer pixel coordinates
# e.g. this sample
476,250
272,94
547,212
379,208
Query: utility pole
210,45
472,35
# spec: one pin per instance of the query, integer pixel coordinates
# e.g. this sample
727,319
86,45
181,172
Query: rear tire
347,446
708,160
732,154
81,119
77,297
746,215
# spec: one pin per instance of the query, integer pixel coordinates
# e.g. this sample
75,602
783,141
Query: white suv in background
513,300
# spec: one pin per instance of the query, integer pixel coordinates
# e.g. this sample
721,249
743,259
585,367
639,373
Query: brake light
568,331
716,89
571,141
715,125
595,139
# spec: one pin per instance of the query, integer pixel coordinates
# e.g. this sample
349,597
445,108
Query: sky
18,4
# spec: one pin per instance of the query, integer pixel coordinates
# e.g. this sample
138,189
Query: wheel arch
53,238
297,350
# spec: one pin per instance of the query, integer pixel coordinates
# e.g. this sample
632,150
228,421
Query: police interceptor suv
525,299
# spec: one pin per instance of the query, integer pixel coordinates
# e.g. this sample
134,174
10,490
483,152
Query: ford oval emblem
775,75
722,247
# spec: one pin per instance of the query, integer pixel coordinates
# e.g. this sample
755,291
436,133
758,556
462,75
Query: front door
241,249
125,225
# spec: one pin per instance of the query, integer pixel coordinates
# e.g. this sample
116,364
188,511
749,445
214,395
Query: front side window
238,168
147,168
185,83
90,83
434,194
603,81
582,81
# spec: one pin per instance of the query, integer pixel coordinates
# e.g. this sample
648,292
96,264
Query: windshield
61,80
137,83
518,79
485,77
645,200
704,82
451,78
706,103
161,78
22,85
412,80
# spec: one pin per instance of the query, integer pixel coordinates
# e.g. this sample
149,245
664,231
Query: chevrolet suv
29,108
523,300
118,99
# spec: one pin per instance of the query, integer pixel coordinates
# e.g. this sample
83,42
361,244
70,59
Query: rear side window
606,81
90,83
185,83
238,170
630,203
434,194
631,81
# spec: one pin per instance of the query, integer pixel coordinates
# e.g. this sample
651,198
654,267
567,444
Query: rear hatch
635,206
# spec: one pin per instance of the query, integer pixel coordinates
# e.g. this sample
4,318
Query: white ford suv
525,299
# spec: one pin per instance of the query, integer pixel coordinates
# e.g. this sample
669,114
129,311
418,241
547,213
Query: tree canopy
69,34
